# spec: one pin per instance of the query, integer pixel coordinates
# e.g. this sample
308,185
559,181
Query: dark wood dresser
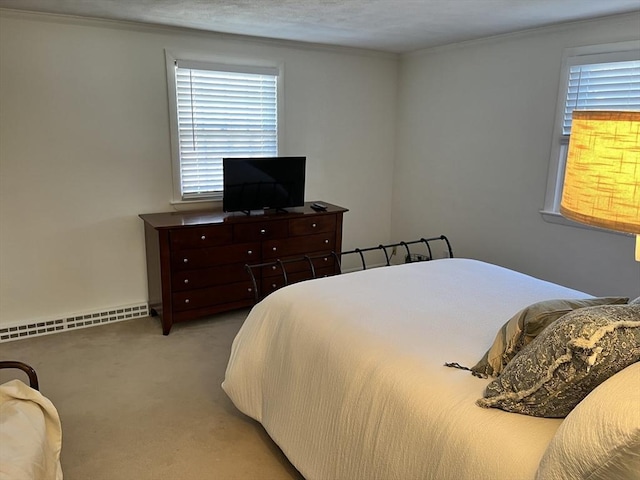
196,260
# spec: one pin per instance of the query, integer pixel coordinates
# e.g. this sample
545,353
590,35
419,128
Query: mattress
347,373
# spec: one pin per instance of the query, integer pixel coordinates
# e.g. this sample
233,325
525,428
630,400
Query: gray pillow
571,357
525,325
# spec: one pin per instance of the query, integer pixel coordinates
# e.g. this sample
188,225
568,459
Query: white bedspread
346,373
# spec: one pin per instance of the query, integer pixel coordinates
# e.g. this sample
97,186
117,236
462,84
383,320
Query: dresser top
206,217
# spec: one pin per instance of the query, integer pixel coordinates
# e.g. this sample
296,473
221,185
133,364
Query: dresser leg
166,326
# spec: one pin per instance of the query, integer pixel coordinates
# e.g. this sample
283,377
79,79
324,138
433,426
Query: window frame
209,60
604,53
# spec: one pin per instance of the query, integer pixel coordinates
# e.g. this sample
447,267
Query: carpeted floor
137,405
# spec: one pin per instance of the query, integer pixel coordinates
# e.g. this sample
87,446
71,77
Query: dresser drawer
259,231
209,277
324,262
307,245
312,225
201,237
271,284
210,257
206,297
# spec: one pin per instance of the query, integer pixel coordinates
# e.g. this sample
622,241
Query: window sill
197,204
555,217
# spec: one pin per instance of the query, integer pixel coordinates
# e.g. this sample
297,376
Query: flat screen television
263,183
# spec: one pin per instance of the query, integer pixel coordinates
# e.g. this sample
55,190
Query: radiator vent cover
72,322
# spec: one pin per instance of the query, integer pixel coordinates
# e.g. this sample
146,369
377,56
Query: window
218,110
602,77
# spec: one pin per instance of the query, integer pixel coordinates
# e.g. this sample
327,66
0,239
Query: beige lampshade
602,178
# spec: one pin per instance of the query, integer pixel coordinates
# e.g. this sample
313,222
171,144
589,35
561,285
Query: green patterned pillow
525,325
567,360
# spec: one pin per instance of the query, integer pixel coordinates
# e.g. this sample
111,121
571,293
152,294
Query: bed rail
410,256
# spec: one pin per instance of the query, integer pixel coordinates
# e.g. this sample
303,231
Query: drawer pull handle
274,249
273,267
314,225
203,237
273,285
262,231
249,289
326,241
326,259
186,280
186,260
249,252
186,300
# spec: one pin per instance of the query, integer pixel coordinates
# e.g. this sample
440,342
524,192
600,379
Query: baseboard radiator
73,322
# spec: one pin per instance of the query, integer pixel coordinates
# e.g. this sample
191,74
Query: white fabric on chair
30,434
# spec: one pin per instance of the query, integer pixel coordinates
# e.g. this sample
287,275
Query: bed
347,375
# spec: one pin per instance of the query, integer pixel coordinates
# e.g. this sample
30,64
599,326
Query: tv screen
261,183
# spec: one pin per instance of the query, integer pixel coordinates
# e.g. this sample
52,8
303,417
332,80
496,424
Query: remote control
318,206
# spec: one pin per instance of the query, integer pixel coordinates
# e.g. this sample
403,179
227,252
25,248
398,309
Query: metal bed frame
409,258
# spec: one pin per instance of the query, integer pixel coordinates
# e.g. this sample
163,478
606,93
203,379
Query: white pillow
600,438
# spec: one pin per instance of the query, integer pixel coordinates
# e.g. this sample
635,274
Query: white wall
84,149
474,137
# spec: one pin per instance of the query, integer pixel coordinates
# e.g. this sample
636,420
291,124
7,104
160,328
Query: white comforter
346,373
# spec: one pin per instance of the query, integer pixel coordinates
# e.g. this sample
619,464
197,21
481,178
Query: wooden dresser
196,260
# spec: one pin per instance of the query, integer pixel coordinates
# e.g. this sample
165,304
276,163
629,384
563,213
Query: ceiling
396,26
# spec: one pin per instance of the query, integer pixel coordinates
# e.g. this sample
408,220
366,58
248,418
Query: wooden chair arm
31,373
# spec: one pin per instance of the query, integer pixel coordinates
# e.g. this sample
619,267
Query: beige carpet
137,405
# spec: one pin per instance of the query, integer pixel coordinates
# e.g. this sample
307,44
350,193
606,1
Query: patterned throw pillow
567,360
525,325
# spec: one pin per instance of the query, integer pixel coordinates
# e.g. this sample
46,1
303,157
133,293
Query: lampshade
602,177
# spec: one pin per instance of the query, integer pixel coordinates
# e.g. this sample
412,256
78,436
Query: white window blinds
602,86
223,111
595,77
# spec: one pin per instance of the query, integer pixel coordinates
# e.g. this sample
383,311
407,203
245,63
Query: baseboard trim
73,322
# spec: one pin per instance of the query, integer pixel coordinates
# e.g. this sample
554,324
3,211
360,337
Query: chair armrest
31,373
